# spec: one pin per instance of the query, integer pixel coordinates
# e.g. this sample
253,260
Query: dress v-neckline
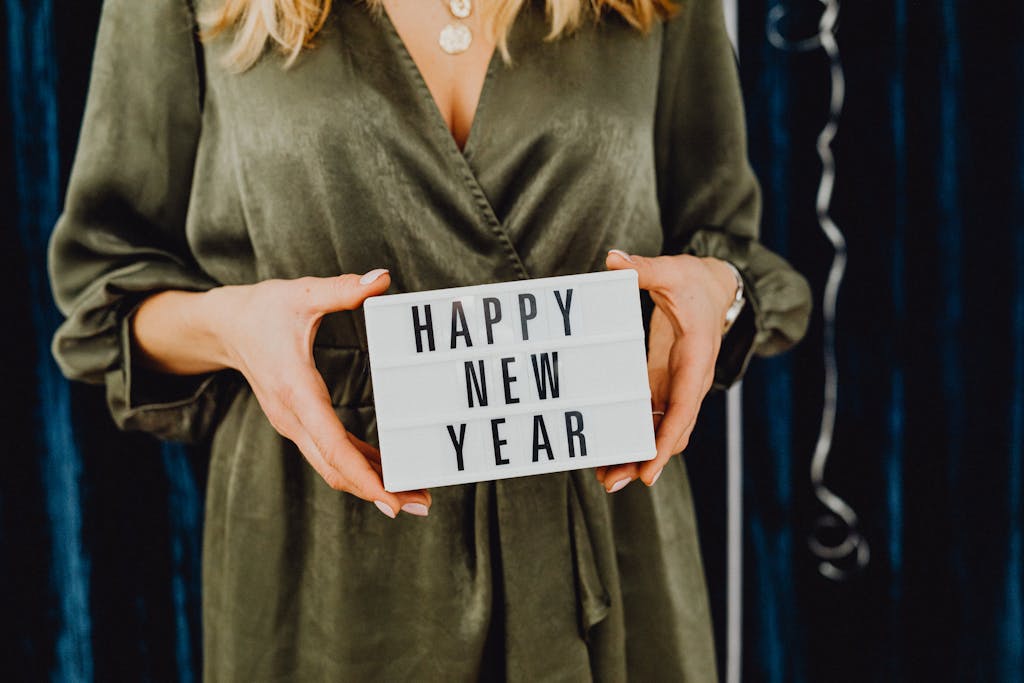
439,123
461,158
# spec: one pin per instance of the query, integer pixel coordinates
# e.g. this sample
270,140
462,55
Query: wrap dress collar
434,130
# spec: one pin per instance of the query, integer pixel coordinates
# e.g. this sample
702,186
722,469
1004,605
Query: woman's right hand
267,331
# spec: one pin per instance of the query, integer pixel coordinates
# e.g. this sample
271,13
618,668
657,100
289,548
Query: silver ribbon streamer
840,516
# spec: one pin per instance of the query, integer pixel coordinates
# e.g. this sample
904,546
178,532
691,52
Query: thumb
348,291
647,269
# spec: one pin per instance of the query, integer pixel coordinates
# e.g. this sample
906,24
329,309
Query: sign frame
628,362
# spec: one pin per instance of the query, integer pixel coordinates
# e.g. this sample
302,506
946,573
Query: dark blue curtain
100,530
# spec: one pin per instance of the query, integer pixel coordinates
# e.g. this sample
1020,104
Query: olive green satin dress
189,177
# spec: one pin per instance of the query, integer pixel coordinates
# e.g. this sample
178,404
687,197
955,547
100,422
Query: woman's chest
451,50
349,151
361,84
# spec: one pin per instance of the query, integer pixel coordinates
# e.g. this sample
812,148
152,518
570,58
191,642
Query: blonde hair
291,25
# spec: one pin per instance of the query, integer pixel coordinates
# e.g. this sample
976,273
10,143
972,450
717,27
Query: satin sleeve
709,197
120,236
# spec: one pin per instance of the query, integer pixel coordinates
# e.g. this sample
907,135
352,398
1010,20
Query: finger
660,386
377,467
599,472
661,338
311,404
653,273
658,407
280,416
337,479
345,292
618,476
684,402
659,398
372,454
670,439
284,420
312,451
684,439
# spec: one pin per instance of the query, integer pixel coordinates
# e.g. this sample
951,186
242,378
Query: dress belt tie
549,567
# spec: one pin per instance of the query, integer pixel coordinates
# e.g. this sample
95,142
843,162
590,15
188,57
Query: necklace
456,36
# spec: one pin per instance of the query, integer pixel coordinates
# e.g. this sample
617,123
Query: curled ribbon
838,561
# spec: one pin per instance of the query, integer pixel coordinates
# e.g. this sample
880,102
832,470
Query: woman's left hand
691,296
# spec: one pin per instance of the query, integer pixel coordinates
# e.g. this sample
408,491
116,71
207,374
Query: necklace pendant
460,8
455,38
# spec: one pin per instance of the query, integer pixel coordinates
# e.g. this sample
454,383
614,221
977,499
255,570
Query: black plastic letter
419,328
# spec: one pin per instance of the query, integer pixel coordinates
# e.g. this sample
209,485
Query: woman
227,193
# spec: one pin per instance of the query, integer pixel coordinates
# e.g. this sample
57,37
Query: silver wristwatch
737,302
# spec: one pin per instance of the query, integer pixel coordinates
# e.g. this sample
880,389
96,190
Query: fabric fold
592,598
544,608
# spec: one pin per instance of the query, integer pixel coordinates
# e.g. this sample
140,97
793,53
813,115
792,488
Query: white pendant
455,38
460,8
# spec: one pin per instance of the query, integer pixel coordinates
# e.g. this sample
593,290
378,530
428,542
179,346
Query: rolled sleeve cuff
762,327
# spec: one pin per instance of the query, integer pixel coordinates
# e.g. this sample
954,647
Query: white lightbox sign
509,379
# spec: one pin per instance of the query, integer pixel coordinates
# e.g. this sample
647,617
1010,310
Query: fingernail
619,484
622,254
372,275
416,509
385,508
656,475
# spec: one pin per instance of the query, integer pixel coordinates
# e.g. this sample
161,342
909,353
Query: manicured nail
656,475
416,509
619,484
622,254
372,275
385,508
